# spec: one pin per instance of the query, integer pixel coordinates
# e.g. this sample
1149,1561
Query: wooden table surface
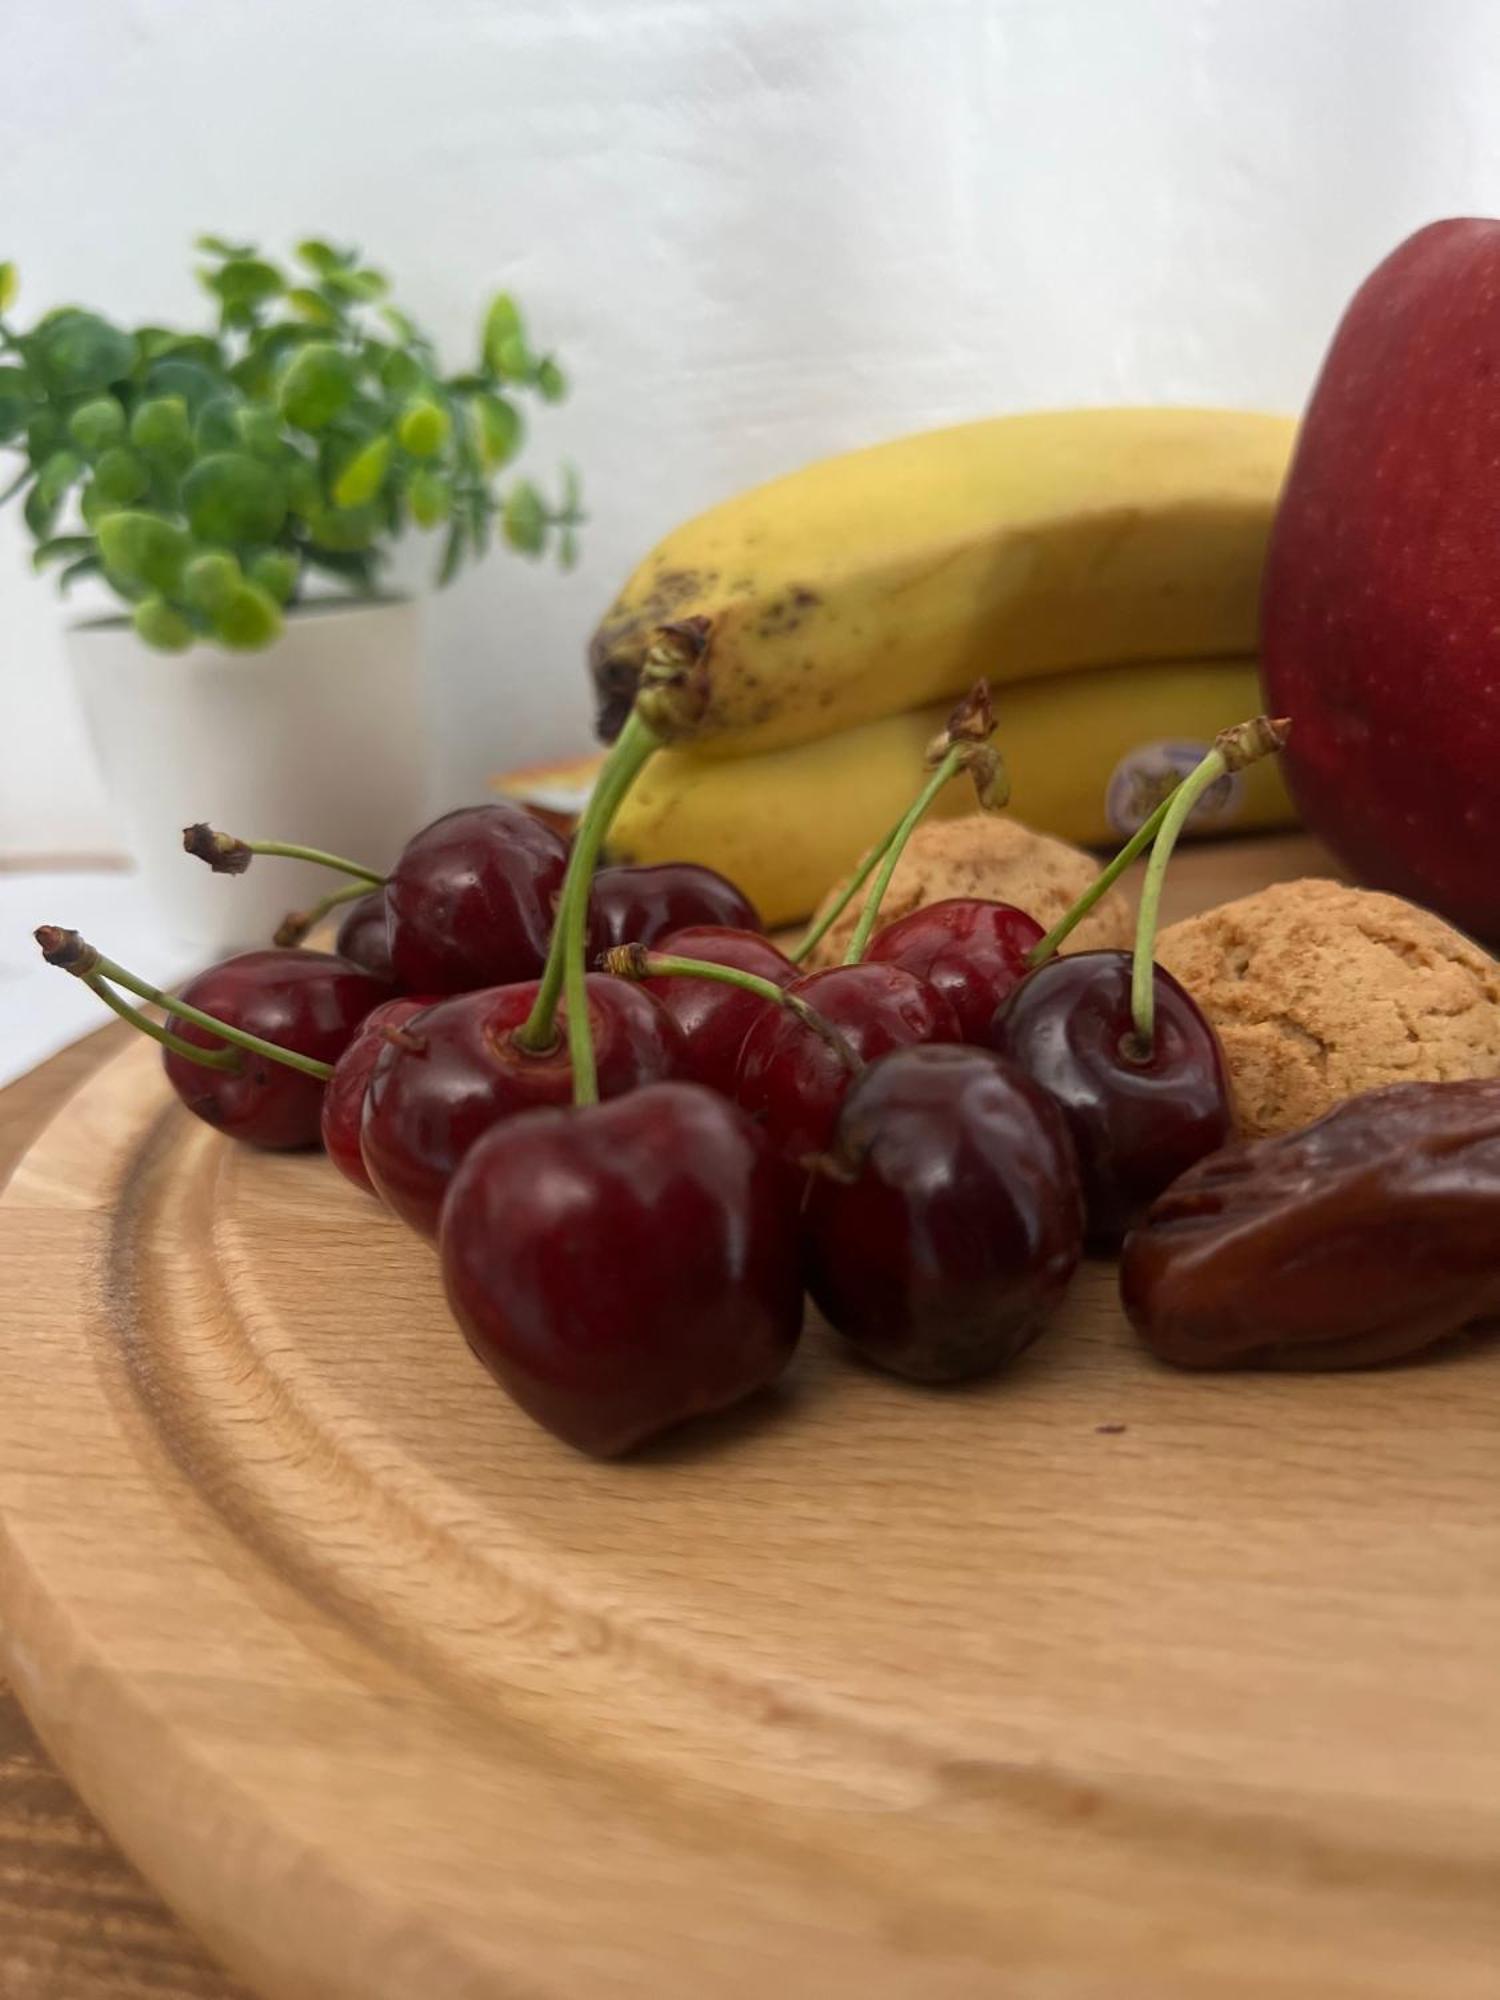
76,1920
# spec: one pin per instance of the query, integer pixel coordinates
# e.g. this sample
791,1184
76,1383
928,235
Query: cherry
974,952
307,1001
433,1093
344,1097
942,1227
794,1079
714,1018
1139,1117
364,937
636,905
625,1266
470,900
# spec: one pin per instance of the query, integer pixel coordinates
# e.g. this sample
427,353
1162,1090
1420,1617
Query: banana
1088,754
871,584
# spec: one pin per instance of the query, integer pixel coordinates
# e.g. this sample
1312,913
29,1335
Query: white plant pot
320,739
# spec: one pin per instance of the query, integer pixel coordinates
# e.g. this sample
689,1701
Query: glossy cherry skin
941,1232
1137,1123
344,1093
471,899
364,937
638,905
309,1001
715,1018
794,1082
623,1268
972,951
461,1072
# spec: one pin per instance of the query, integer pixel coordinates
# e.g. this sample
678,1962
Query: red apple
1381,617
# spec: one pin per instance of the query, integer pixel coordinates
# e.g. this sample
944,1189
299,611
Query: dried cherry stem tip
1233,749
71,953
296,924
636,961
227,854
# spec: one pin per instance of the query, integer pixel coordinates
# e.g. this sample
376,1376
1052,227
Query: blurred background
754,233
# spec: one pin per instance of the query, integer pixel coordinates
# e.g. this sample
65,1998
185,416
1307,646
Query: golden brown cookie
1320,991
990,854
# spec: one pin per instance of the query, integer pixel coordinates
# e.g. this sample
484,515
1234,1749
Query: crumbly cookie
1320,991
990,854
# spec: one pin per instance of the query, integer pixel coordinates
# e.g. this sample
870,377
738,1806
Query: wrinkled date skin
1368,1236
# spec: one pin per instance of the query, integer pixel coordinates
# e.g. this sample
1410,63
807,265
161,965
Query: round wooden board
1094,1681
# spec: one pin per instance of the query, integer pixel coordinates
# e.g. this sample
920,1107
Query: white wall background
755,230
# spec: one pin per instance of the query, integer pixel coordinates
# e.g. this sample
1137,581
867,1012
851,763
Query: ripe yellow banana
1089,755
874,583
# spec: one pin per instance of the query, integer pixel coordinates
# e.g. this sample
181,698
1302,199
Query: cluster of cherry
633,1173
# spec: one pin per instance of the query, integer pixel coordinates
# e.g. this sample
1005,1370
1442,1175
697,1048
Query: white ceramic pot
320,739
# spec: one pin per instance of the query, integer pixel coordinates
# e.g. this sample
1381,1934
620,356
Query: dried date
1368,1236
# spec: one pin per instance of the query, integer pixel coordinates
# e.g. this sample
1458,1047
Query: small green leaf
96,507
311,306
231,497
276,572
143,548
364,475
424,428
122,475
10,284
220,246
322,257
245,281
216,429
58,474
161,429
345,530
162,627
89,565
251,619
174,375
400,324
524,520
402,374
362,286
317,386
97,424
430,496
211,580
259,431
551,380
304,490
44,435
453,552
567,548
59,548
79,351
504,336
500,430
39,512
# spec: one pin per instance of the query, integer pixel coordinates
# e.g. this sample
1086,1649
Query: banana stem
1139,841
565,969
952,763
221,1059
227,854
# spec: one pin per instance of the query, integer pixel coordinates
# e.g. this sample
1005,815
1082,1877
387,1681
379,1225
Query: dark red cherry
470,900
942,1228
308,1001
344,1093
622,1268
714,1018
448,1081
364,936
1138,1121
793,1080
638,905
972,951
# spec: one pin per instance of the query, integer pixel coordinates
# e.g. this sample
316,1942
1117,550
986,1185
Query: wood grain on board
1093,1681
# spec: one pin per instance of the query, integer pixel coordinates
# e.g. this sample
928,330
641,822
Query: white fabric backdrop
756,231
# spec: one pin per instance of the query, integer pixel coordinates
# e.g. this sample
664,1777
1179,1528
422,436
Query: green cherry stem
1139,841
68,950
227,854
637,961
222,1059
817,931
296,924
633,748
1233,750
951,764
